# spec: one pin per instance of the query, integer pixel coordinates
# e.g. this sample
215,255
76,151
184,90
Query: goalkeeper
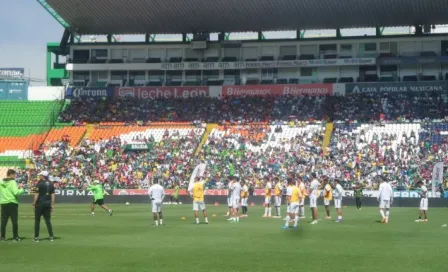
98,198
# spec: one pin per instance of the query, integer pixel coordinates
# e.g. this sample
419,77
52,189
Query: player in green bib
357,193
98,198
175,195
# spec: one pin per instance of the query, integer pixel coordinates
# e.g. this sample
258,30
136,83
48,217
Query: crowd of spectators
350,157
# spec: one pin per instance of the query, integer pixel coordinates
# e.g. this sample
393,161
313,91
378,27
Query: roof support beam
261,36
53,13
227,36
300,34
338,33
379,31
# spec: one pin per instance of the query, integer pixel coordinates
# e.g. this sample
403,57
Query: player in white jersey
423,214
229,201
156,194
235,195
337,195
314,195
385,198
267,197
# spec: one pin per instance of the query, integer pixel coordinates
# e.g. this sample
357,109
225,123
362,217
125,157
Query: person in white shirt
385,198
235,195
267,197
302,188
314,195
229,200
156,194
338,193
423,214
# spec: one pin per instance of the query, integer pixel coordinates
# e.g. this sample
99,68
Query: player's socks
156,223
237,219
206,220
92,214
302,212
287,220
161,221
387,215
269,211
278,212
382,214
197,220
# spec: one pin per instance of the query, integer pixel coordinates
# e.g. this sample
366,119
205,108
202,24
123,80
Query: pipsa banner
75,192
279,90
151,93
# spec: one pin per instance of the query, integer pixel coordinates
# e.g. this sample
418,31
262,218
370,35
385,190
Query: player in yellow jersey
278,190
328,196
244,198
197,194
267,197
293,197
302,188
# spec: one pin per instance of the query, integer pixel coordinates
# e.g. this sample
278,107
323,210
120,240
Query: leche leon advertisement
152,93
279,90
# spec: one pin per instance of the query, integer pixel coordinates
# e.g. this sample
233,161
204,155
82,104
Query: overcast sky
26,28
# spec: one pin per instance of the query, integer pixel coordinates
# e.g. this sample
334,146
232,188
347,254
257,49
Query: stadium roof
189,16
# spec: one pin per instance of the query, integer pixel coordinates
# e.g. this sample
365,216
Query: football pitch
128,242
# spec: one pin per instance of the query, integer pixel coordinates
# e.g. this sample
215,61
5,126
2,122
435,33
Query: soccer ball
127,203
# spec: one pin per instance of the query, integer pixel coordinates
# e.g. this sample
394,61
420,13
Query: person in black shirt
43,204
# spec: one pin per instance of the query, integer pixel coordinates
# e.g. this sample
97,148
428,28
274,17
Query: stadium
221,104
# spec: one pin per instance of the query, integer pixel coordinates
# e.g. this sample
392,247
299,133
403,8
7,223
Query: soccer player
98,198
9,193
267,197
385,198
338,193
156,194
43,203
293,196
278,189
244,198
357,193
314,195
197,194
235,189
175,194
302,188
229,200
328,196
423,203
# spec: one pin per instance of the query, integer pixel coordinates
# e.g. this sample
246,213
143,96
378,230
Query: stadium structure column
300,34
261,36
379,31
338,33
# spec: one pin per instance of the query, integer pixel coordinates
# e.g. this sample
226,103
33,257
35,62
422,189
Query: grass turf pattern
128,242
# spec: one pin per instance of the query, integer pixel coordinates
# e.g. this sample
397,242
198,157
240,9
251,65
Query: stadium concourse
126,143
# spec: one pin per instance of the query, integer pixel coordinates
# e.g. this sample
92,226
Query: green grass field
128,242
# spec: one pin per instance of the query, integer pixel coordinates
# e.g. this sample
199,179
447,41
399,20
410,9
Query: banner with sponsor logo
138,147
14,90
12,72
437,175
412,60
278,90
75,192
89,92
428,86
162,92
265,64
397,194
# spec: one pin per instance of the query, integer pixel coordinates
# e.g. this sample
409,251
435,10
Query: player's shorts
267,200
235,202
327,202
229,202
278,201
384,204
99,202
302,201
338,203
198,205
424,204
293,207
313,202
244,201
156,206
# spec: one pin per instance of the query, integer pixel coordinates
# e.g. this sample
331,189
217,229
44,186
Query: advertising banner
260,192
75,192
412,60
151,93
89,92
428,86
264,64
279,90
138,147
437,175
12,72
14,90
